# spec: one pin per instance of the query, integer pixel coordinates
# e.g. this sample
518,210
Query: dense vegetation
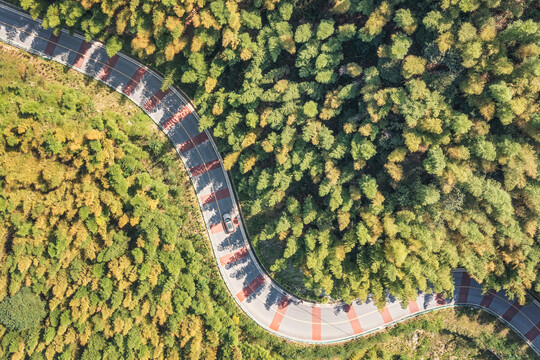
22,311
390,142
69,292
100,232
374,144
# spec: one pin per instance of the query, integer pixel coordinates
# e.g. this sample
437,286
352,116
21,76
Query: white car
229,226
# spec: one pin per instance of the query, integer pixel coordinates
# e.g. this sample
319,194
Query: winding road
253,289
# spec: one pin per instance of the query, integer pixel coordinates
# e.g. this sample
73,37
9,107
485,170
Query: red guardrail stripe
218,195
107,69
386,316
234,256
251,288
280,313
464,289
413,307
316,323
488,298
176,118
533,333
512,311
83,49
155,99
194,141
51,45
217,228
353,319
201,169
134,81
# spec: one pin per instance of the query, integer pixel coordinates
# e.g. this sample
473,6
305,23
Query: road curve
274,309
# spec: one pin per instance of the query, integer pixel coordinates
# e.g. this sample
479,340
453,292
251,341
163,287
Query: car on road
229,226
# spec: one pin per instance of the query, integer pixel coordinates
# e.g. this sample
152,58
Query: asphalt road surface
255,292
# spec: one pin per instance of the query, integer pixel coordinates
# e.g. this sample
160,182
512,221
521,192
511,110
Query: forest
102,245
104,253
375,145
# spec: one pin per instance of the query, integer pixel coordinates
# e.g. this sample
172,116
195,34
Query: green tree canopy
22,311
